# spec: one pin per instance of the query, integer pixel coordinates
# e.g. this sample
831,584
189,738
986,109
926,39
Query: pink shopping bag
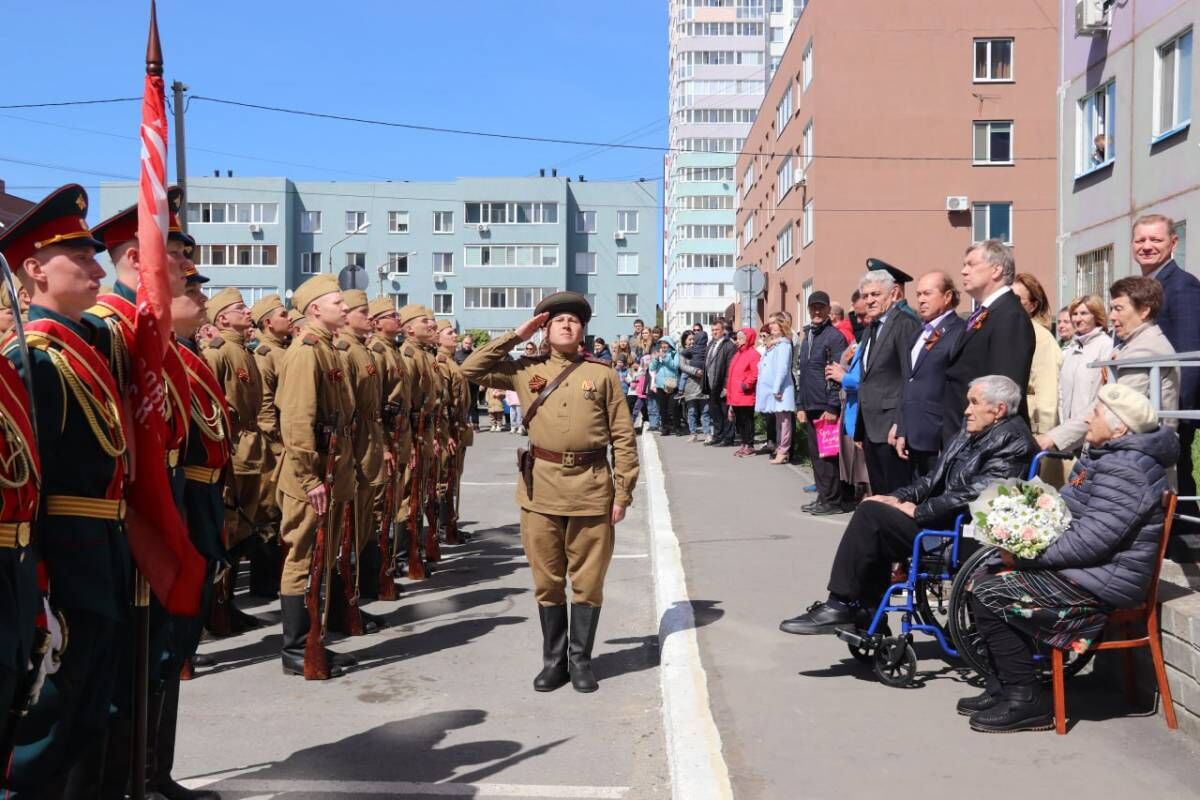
828,438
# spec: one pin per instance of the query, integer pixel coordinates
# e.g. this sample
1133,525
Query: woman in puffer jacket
740,388
665,366
1103,561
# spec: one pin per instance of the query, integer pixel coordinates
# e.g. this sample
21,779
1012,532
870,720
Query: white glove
52,659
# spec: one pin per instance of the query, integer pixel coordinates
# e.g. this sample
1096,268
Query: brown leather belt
579,458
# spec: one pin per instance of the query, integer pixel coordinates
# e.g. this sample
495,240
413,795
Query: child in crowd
496,409
514,412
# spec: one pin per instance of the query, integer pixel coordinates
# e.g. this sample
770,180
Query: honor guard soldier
417,325
398,430
81,535
316,477
238,375
373,463
458,427
570,496
295,318
271,322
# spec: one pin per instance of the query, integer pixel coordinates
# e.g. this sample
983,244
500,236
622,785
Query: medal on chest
589,390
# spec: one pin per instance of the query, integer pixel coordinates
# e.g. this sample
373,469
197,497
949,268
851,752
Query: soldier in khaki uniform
296,319
570,496
238,375
373,460
273,328
397,430
459,426
313,401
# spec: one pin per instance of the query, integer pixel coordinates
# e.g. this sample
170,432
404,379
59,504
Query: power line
62,103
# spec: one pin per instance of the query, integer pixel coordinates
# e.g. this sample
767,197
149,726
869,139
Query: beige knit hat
1131,407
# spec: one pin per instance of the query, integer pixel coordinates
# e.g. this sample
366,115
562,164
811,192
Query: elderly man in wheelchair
994,444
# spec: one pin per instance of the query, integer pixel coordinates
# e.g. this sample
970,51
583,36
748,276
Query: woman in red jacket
739,389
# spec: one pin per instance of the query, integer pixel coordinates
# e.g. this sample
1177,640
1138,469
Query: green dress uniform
566,507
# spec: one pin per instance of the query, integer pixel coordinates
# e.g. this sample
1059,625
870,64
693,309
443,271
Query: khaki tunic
396,389
269,358
588,411
366,390
239,376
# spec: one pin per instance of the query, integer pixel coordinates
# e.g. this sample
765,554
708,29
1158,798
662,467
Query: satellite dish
353,277
749,281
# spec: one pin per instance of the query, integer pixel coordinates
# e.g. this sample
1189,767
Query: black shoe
824,509
848,506
819,618
372,622
725,443
168,788
1020,708
554,649
981,702
201,660
240,621
810,506
584,620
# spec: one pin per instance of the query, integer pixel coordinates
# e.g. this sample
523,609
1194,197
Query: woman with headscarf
740,388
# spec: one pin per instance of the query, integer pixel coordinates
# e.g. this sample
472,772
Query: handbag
828,438
670,385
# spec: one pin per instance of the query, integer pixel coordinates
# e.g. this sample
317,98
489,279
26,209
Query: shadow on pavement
407,646
406,750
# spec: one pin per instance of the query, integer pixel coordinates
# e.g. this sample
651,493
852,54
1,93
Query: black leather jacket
968,465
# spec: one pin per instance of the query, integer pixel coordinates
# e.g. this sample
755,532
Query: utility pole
178,87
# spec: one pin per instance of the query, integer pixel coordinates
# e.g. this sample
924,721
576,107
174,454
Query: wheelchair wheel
966,638
861,653
895,662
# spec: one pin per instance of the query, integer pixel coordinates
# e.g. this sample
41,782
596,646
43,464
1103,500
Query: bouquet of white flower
1022,517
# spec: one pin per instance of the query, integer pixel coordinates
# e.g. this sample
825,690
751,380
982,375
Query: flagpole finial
154,57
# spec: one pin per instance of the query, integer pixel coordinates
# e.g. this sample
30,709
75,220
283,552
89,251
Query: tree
479,336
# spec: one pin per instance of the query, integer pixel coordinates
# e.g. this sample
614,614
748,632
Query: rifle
429,486
347,562
416,566
316,664
387,543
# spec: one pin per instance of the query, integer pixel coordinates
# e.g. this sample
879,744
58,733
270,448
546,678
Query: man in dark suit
716,366
998,339
919,421
886,349
1154,243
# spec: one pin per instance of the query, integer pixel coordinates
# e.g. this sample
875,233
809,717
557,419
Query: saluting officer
238,375
570,497
313,400
417,324
397,428
373,463
270,320
81,534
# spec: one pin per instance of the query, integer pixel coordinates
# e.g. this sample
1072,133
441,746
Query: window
1173,84
748,179
1093,272
238,255
627,221
585,263
443,222
783,112
443,263
1094,128
591,301
993,143
807,65
704,231
355,221
310,263
506,296
397,262
397,222
627,305
627,263
993,60
247,213
401,299
807,145
705,202
443,303
775,34
692,174
512,255
703,261
356,260
807,237
1181,246
748,230
310,222
512,213
785,179
585,222
992,221
783,246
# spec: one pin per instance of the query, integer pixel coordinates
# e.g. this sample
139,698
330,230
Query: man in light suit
886,349
919,421
998,339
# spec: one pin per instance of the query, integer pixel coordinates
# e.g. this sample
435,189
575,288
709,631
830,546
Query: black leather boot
981,702
164,750
294,617
584,620
554,649
1020,708
265,567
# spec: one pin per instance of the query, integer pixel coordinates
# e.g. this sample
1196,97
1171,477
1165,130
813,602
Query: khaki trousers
557,547
245,493
268,506
299,531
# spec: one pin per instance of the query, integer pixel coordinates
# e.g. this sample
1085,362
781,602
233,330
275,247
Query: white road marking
402,788
488,483
632,555
698,770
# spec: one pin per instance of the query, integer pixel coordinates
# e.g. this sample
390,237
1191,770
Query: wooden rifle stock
416,566
316,663
387,542
347,568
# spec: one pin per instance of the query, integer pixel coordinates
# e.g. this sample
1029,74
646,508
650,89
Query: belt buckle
22,534
568,459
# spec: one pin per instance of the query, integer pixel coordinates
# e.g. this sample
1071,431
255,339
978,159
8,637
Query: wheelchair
933,600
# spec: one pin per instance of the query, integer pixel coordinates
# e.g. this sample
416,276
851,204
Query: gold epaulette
38,341
102,311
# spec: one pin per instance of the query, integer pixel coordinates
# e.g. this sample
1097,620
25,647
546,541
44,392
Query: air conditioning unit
393,280
482,227
618,235
1091,17
396,277
955,203
255,227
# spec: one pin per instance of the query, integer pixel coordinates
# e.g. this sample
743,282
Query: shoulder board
342,344
409,352
38,341
101,311
216,343
262,350
310,339
379,347
441,358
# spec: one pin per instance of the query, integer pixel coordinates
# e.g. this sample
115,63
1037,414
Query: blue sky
591,71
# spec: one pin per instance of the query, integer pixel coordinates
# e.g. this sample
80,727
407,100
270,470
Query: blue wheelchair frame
908,608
